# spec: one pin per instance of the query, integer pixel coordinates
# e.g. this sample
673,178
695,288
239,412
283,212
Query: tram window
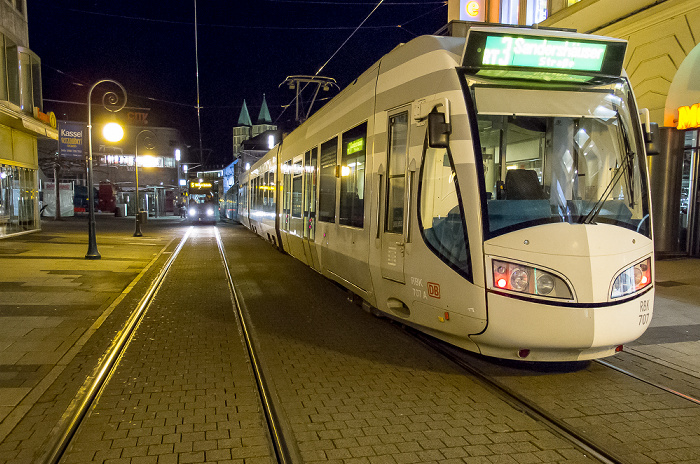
442,223
352,177
398,135
287,187
326,195
271,191
266,178
296,189
561,156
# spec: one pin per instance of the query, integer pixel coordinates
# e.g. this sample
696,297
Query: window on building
509,11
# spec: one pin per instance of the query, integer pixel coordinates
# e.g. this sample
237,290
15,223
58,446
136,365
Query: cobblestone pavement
183,391
357,389
58,314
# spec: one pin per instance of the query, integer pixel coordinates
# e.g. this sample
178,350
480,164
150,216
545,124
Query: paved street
353,388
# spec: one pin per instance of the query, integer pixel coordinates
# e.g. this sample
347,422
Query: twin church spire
263,118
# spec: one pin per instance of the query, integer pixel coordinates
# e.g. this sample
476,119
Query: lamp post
111,99
137,231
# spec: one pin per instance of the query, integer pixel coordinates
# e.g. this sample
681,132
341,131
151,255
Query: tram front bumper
561,333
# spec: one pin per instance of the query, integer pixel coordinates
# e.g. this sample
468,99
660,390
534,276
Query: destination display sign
570,53
543,53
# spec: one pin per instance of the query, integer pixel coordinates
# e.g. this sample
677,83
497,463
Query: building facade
160,175
22,122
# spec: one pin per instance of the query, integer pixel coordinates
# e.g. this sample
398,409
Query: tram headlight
632,279
193,211
528,279
210,212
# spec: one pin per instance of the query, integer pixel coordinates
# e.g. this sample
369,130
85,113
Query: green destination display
356,145
539,52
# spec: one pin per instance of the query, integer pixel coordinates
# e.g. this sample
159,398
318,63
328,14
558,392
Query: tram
491,191
202,201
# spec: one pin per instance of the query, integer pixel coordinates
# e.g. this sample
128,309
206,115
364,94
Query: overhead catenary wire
196,59
332,56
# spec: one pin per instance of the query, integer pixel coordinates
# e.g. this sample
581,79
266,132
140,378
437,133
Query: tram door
395,221
310,186
286,195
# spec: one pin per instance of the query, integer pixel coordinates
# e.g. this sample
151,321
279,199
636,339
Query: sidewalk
673,338
52,300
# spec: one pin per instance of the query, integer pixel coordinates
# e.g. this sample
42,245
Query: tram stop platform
59,311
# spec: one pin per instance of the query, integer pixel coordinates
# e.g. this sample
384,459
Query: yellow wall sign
689,117
200,185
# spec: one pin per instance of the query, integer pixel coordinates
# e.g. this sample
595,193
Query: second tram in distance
490,191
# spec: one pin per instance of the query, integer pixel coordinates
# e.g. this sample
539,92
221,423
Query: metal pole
137,231
92,252
108,97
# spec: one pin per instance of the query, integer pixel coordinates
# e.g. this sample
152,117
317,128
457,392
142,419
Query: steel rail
109,363
284,450
522,404
649,382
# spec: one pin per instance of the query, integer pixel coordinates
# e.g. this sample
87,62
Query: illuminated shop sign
688,117
471,10
575,54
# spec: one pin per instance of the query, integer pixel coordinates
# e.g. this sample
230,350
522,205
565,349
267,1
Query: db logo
434,290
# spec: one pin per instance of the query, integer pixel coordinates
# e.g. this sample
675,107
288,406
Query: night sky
246,48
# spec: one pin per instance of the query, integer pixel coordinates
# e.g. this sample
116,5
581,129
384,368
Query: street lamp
109,101
137,231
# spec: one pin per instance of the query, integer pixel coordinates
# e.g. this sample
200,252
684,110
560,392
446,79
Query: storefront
682,116
18,199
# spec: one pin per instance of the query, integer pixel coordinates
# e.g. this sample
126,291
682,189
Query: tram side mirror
438,130
651,138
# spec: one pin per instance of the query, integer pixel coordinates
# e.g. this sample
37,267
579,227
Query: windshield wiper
626,167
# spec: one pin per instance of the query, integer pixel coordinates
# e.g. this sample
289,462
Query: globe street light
137,231
109,101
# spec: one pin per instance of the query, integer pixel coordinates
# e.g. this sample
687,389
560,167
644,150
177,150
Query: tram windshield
560,156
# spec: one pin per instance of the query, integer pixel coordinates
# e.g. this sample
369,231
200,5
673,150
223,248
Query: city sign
549,53
71,137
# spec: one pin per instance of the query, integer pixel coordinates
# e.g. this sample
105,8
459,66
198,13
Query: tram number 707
644,312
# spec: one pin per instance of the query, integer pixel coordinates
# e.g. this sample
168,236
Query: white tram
491,192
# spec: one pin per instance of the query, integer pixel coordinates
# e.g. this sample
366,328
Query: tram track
284,451
648,381
587,441
581,441
75,416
